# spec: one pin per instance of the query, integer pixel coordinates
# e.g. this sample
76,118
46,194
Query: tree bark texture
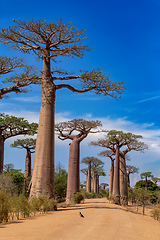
27,171
73,171
93,180
97,184
128,180
88,182
123,182
43,171
1,153
111,178
116,190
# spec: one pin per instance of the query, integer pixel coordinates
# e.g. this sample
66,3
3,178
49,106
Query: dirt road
102,221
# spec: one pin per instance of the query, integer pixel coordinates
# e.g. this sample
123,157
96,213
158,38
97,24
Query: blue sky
126,40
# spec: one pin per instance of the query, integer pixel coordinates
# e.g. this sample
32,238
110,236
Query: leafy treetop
146,175
12,126
121,139
95,162
28,143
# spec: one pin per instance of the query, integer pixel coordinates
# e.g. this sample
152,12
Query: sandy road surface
103,221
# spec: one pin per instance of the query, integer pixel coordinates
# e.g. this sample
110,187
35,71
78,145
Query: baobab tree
98,171
110,154
48,41
114,141
87,172
28,144
130,170
11,126
145,176
95,170
19,80
75,130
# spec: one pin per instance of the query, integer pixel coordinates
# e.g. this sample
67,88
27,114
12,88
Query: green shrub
102,192
15,209
44,203
24,206
35,205
4,205
78,197
86,194
93,194
112,199
52,204
155,213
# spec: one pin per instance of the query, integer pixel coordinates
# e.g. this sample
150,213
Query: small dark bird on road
81,215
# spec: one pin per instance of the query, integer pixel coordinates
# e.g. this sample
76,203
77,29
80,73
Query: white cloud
150,136
34,99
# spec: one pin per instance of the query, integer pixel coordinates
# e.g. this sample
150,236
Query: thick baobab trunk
27,171
116,191
111,178
88,182
73,171
123,182
1,153
43,171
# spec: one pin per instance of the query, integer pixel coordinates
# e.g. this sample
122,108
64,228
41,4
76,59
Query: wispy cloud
28,99
149,99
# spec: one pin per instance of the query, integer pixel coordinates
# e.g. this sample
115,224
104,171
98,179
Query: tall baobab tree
110,154
20,80
130,170
75,130
145,176
95,167
48,41
11,126
98,171
114,141
28,144
87,172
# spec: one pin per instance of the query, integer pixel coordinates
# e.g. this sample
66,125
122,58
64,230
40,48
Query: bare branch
60,86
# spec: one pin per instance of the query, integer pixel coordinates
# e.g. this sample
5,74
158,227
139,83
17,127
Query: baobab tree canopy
131,169
121,138
94,161
24,143
80,127
12,126
21,80
58,39
146,175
